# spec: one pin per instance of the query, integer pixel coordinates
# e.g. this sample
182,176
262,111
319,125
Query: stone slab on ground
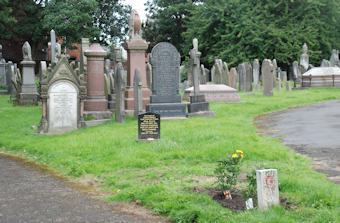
215,93
312,131
28,194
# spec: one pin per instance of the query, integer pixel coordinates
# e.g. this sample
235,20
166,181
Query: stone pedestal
29,94
199,107
136,49
96,104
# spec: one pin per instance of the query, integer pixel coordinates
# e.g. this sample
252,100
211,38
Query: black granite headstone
165,99
149,126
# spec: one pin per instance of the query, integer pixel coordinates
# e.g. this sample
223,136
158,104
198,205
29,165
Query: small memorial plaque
149,126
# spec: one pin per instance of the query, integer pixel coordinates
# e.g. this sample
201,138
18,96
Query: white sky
139,6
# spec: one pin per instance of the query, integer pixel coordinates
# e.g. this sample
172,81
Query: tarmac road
312,130
28,194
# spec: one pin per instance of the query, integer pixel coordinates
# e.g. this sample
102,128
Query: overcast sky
139,6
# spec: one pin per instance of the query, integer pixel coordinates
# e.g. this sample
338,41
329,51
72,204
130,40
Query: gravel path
28,194
312,130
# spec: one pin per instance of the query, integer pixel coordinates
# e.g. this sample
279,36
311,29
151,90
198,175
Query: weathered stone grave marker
29,94
267,188
137,91
165,99
63,95
149,126
267,74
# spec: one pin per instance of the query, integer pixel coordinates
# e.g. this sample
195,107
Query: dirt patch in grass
236,204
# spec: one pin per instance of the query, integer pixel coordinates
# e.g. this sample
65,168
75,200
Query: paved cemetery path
28,194
313,130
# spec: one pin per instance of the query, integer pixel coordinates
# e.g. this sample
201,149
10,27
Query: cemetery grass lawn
161,175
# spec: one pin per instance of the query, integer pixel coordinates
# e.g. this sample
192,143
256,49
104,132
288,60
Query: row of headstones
333,61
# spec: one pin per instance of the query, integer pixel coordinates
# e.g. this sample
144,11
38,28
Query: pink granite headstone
232,77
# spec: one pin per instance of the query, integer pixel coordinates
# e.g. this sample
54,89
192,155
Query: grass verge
161,175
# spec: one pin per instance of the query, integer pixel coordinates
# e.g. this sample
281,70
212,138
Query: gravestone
296,73
225,72
149,76
267,74
241,70
334,60
85,45
267,188
137,90
232,77
53,47
62,95
198,106
256,74
3,79
217,72
325,63
204,75
249,77
149,126
304,59
120,87
9,76
165,99
110,85
29,94
275,72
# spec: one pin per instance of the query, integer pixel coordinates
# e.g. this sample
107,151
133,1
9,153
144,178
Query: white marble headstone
267,188
63,107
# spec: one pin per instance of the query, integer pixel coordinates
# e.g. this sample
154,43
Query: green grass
161,174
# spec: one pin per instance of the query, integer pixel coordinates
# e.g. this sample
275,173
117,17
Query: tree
237,30
72,19
166,20
5,18
112,19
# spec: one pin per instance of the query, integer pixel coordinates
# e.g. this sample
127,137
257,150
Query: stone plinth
29,94
96,101
136,49
215,93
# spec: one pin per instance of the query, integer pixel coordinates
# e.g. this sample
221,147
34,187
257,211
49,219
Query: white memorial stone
63,107
267,188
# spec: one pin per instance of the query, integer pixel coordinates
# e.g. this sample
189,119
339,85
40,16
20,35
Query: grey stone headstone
213,74
149,76
232,78
53,46
165,99
43,70
242,70
137,91
325,63
120,115
225,74
304,59
267,74
85,45
334,60
249,77
3,81
297,72
204,74
256,73
275,72
267,188
29,94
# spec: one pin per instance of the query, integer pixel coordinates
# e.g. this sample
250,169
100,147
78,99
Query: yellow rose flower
239,151
118,190
234,156
241,155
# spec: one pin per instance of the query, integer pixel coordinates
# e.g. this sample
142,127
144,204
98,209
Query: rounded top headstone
305,48
95,50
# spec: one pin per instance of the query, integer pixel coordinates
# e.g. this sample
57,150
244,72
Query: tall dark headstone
256,74
249,77
267,74
241,70
120,115
165,99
